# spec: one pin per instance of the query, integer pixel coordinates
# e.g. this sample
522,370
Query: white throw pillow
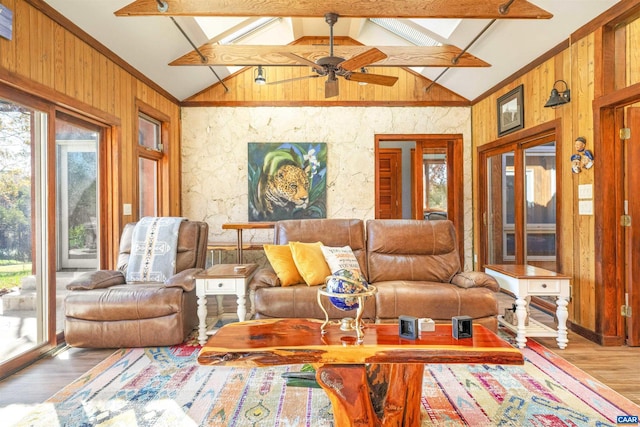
341,258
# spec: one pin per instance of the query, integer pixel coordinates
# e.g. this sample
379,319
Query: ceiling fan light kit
260,78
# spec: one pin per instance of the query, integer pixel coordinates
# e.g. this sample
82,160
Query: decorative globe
345,282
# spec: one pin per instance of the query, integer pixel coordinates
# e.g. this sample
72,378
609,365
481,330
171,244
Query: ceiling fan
335,66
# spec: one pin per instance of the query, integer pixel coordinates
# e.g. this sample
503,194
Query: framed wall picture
511,111
287,180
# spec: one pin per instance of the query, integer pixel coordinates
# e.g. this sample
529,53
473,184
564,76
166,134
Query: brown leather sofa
414,265
104,311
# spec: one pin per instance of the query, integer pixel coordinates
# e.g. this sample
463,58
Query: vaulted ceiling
152,43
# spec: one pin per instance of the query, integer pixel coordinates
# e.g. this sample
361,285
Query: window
150,157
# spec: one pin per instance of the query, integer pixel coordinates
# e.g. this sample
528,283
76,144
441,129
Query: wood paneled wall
577,65
51,58
409,90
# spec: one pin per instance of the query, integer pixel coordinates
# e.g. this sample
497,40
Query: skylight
405,31
247,30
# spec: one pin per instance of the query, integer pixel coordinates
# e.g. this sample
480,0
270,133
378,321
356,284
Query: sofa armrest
265,277
185,279
470,279
98,279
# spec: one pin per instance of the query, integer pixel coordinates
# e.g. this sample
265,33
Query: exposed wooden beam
397,56
481,9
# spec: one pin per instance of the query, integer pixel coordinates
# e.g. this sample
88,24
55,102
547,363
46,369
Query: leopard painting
281,192
286,181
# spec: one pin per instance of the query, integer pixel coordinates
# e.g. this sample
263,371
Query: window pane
500,209
149,133
22,222
540,203
434,164
148,182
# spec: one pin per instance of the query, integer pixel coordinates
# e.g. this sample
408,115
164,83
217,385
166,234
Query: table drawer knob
544,286
222,284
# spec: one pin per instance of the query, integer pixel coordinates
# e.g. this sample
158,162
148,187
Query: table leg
202,313
373,395
239,256
521,315
562,314
242,308
220,305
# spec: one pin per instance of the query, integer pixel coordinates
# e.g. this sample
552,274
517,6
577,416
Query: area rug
166,387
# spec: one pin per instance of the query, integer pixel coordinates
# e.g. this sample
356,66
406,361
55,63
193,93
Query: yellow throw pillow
310,262
281,260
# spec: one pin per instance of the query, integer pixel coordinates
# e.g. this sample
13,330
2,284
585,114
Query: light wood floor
618,367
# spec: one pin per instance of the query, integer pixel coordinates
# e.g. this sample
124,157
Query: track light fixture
260,78
558,98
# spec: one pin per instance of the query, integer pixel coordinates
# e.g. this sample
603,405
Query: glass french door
519,208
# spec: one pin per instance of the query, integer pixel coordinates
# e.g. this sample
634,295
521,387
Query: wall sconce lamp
559,98
260,74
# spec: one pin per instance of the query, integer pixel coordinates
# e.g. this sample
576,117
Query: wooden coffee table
375,383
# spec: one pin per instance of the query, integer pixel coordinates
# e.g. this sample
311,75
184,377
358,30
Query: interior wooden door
632,238
389,184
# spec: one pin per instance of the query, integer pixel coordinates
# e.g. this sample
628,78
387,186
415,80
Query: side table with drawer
220,280
524,281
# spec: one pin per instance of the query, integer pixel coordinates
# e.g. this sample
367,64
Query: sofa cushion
281,260
301,301
412,250
330,231
96,280
124,302
341,258
310,262
439,301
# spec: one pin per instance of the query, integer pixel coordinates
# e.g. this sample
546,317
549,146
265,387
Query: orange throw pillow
310,262
281,260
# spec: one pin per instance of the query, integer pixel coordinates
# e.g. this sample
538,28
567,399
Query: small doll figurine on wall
575,163
587,156
583,158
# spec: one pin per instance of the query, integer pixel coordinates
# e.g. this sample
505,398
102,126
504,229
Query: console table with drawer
524,281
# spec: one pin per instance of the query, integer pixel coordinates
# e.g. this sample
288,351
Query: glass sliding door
24,244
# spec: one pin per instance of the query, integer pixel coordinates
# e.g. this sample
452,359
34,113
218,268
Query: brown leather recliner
104,311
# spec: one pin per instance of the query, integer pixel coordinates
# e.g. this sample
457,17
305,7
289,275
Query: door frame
608,201
455,168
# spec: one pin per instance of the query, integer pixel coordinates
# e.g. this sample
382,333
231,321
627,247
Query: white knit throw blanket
154,246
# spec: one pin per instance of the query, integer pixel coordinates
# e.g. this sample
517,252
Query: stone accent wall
214,157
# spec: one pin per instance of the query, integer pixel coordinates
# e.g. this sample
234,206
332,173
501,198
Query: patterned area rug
166,387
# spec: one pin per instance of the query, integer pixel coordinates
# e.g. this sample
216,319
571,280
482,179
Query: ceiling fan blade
331,88
304,55
485,9
312,76
303,61
362,60
376,79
